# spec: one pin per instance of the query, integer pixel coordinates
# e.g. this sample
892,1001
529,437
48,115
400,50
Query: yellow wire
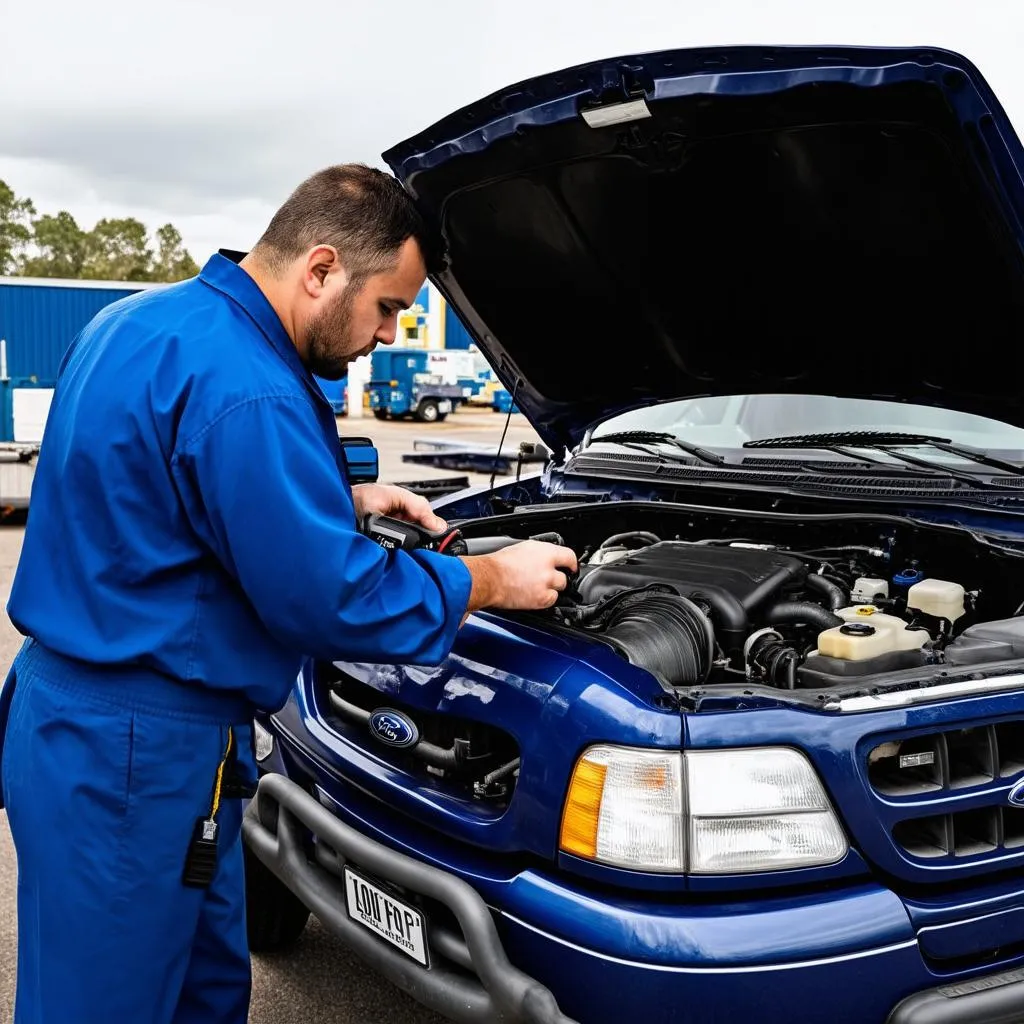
220,774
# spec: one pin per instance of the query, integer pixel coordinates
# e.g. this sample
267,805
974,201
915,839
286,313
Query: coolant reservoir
867,633
940,598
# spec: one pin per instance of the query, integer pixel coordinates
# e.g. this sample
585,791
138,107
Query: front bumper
480,985
471,976
990,999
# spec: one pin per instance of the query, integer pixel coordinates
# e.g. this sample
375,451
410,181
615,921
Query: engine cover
734,582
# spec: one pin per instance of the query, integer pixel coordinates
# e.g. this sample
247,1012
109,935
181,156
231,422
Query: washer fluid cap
857,629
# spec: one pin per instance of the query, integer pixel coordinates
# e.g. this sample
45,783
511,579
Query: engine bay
706,599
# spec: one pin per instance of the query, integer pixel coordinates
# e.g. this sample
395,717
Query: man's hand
526,576
397,502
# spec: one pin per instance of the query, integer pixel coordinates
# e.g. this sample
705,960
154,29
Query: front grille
457,755
945,792
951,760
984,830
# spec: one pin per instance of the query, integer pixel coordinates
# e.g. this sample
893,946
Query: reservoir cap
908,577
857,629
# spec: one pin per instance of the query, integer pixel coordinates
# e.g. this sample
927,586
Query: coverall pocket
6,698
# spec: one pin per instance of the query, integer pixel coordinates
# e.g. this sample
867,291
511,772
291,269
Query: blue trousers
103,784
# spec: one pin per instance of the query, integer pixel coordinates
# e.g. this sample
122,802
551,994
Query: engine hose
833,595
776,661
641,535
728,614
667,635
800,613
488,545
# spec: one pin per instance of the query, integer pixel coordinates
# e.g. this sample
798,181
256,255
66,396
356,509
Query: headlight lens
759,809
747,810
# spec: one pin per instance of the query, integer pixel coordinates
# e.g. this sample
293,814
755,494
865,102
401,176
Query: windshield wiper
883,441
643,439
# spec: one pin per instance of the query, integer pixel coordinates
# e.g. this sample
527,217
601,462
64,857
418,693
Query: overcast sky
207,114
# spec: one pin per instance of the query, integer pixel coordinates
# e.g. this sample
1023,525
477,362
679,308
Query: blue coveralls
191,538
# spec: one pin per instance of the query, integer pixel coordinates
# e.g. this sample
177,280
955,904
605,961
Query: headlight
746,810
758,809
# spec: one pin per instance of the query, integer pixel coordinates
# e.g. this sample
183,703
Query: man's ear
320,261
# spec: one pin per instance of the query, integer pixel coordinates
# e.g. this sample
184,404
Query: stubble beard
329,343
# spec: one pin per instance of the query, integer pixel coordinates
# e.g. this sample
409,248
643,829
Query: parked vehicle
765,760
336,392
501,401
403,384
455,366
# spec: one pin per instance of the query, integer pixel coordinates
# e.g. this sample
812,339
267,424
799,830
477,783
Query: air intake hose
666,634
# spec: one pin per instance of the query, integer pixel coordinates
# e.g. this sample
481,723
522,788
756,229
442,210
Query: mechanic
192,537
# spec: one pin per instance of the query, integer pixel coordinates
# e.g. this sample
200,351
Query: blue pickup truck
764,761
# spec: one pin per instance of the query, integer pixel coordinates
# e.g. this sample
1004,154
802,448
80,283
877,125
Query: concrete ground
319,982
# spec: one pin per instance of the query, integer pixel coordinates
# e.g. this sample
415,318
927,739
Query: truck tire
275,918
381,414
428,412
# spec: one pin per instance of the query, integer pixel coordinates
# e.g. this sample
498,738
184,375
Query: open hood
735,221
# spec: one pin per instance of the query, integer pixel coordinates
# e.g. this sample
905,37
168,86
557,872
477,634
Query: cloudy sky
206,114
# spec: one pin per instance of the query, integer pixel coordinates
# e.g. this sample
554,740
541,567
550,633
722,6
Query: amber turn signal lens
583,809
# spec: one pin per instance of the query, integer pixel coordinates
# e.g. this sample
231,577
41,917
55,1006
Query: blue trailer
336,392
39,318
402,384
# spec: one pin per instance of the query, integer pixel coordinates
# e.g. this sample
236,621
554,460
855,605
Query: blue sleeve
267,495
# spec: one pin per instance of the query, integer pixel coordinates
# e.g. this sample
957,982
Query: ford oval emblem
393,728
1016,795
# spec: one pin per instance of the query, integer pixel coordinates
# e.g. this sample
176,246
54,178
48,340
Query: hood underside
734,221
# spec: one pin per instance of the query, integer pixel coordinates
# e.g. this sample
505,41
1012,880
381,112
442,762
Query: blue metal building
39,318
455,333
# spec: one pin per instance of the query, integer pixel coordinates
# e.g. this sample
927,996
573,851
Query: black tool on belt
228,783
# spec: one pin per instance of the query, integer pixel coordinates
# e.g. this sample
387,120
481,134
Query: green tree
117,250
60,247
15,232
173,262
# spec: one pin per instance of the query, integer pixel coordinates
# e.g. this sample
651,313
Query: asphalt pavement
319,981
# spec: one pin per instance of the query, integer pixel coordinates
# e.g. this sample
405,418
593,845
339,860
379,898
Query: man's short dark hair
363,212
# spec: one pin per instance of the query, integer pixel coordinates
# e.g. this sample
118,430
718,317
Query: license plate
444,405
391,919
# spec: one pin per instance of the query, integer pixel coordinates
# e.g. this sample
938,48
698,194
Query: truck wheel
428,411
441,416
275,918
381,414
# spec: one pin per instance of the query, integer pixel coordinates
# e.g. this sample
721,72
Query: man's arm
267,496
522,579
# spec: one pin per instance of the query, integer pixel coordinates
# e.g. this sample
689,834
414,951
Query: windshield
726,422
